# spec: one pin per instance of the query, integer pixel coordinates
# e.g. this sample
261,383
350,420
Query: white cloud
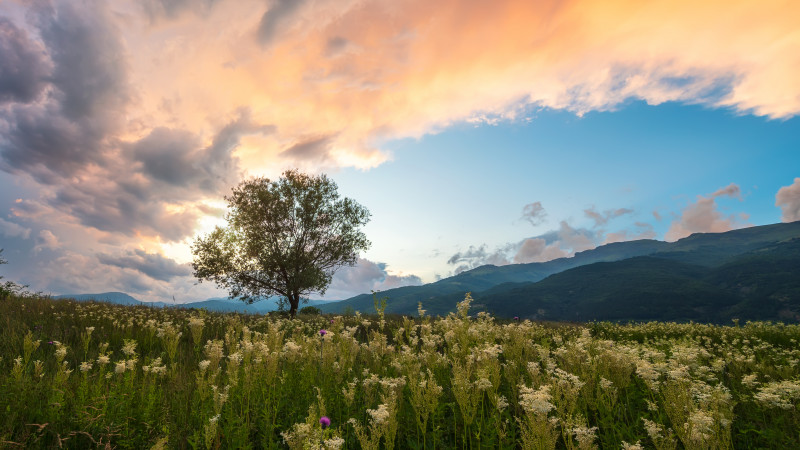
364,277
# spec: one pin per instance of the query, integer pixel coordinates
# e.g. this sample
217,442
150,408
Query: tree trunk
294,302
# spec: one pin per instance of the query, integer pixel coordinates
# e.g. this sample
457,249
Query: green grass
204,380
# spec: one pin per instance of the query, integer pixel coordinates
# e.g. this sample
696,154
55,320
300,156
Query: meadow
94,375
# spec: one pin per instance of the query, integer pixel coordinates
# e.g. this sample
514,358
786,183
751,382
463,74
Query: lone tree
284,237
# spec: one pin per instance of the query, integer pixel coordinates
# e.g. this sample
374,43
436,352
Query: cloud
534,213
177,158
315,150
128,119
154,187
364,277
560,243
66,271
46,240
157,10
24,68
13,230
603,218
153,265
58,137
642,231
277,19
537,250
563,242
788,199
478,256
704,217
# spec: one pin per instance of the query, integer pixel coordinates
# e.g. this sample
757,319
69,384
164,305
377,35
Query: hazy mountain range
751,273
211,304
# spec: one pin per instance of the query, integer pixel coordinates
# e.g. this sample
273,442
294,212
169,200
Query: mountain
749,273
760,285
404,300
117,298
211,304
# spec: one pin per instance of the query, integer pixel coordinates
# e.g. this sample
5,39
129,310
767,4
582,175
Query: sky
481,132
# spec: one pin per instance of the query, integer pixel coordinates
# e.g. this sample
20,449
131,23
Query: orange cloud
704,217
367,71
788,199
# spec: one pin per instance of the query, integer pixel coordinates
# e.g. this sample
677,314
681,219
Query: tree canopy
284,237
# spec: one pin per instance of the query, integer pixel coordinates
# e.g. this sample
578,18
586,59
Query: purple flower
516,318
51,342
323,332
331,321
325,422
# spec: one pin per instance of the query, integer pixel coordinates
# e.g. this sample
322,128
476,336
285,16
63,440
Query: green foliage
86,375
284,237
310,310
9,288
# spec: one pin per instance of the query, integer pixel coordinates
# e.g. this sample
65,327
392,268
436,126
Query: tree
9,287
284,237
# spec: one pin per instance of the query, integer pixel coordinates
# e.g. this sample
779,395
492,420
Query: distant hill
759,285
750,273
212,304
117,298
404,300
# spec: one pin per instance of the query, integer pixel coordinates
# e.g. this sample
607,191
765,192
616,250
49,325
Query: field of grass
86,375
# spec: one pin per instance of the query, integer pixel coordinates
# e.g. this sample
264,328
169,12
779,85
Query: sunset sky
476,132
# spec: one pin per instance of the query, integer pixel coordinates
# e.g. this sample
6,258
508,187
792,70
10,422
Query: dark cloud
170,9
46,145
86,100
90,66
336,45
534,213
25,67
276,19
311,150
479,256
167,155
151,264
173,161
103,205
151,176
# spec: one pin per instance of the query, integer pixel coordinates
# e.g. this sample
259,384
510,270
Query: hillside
760,285
404,300
709,277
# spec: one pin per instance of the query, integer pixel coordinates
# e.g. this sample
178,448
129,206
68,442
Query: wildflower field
89,375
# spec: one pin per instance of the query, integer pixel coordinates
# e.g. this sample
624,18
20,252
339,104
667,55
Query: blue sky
475,132
467,186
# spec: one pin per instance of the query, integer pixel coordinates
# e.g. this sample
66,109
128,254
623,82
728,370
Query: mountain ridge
700,251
